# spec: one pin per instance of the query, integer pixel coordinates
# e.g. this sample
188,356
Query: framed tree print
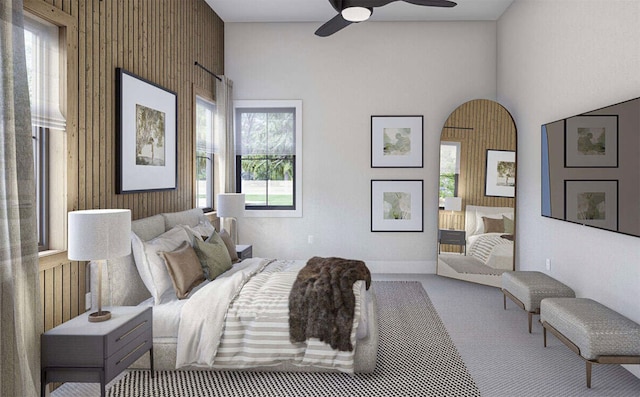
146,136
500,176
396,141
396,206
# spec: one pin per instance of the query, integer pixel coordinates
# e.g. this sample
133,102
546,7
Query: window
42,51
449,170
268,156
205,121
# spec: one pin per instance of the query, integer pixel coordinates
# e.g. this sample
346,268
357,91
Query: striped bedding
482,246
254,331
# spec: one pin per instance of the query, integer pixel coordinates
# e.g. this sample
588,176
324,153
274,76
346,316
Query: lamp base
99,316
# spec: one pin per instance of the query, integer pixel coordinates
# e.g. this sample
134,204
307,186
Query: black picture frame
146,135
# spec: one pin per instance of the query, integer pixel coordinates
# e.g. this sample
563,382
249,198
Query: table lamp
98,235
452,204
231,205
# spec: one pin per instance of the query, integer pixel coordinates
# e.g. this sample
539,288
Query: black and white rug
416,357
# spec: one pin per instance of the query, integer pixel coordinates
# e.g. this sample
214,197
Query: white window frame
262,104
49,132
209,149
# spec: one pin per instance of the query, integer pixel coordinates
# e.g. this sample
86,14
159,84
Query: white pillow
203,228
150,264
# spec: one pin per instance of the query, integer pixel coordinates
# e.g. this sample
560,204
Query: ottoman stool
528,288
591,330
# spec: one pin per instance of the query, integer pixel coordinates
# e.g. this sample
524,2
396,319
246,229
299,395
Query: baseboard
402,267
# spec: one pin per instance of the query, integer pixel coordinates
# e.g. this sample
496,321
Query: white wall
557,59
367,69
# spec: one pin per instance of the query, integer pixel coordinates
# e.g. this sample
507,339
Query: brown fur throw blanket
321,302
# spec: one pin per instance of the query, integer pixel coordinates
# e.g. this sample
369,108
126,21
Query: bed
489,246
233,332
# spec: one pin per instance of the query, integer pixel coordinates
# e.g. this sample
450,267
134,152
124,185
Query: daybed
489,246
122,285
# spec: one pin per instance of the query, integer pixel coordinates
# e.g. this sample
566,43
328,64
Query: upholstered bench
528,288
592,330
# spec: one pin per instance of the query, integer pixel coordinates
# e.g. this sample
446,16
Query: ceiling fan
351,11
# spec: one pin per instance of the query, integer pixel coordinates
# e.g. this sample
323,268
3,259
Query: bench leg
504,300
544,335
530,319
588,374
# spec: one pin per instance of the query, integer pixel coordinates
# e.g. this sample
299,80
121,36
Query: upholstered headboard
473,217
121,282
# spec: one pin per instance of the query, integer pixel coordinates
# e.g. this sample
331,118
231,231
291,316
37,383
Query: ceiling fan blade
336,4
333,25
432,3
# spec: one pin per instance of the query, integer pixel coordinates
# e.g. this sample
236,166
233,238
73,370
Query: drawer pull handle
131,352
131,331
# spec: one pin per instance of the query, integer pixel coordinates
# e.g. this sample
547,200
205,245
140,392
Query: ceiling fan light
356,14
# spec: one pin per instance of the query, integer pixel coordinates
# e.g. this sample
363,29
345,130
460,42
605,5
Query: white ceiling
321,11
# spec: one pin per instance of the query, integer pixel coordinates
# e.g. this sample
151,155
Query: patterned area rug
416,357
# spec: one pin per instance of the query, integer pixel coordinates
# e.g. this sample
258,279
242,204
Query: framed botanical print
396,141
146,139
396,206
591,141
500,176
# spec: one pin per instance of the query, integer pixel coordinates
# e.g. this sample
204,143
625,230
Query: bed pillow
508,224
493,225
150,265
213,255
231,247
184,269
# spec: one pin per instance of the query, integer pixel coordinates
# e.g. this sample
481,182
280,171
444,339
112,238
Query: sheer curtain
20,320
224,103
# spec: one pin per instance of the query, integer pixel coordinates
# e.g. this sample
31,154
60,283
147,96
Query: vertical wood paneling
478,125
158,40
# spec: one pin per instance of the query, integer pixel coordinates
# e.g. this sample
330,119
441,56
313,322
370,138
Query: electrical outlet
548,264
87,301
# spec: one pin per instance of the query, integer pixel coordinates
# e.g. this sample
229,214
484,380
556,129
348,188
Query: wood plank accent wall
478,125
158,40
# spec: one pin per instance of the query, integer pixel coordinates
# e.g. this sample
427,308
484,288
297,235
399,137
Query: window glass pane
449,170
205,149
266,149
255,192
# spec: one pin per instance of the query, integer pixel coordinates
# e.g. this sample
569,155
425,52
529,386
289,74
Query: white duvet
240,320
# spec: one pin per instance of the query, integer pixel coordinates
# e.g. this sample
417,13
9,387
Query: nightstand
244,251
80,351
453,237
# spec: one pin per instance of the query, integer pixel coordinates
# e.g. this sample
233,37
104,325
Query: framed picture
396,206
593,203
591,141
396,141
500,176
147,131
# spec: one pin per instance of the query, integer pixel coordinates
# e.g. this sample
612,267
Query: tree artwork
150,129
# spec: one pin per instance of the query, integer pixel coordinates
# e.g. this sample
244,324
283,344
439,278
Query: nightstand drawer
244,251
132,329
128,353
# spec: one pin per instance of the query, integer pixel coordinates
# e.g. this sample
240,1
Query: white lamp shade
356,14
99,234
453,203
230,205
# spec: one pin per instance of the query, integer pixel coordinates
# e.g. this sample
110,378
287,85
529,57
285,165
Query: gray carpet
416,357
504,359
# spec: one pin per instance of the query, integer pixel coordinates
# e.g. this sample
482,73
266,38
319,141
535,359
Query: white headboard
473,217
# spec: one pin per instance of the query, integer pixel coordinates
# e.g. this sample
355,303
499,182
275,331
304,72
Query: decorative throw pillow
492,225
231,247
508,225
213,255
150,265
184,269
